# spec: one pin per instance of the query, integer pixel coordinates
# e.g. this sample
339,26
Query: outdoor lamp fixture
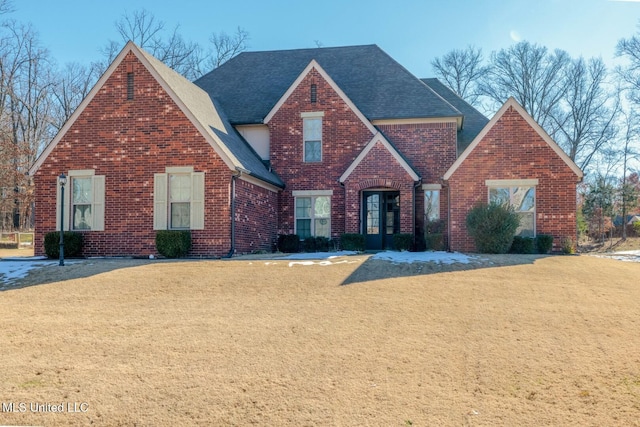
62,180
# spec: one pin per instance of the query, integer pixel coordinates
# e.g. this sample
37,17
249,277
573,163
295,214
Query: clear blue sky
412,31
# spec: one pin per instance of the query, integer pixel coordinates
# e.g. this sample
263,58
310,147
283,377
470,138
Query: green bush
316,244
402,241
289,243
434,235
72,244
544,243
568,246
522,245
636,228
434,242
352,242
173,243
492,227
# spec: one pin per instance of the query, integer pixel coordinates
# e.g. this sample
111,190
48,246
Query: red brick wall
430,148
379,169
514,150
256,218
128,141
343,137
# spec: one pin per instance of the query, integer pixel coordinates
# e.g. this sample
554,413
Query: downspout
413,214
234,176
448,215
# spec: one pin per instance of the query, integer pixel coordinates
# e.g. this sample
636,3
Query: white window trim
431,187
161,202
311,193
312,114
97,204
511,182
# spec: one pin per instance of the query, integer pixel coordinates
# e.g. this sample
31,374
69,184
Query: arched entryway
380,217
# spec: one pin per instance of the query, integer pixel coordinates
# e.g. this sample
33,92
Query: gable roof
512,103
313,65
474,121
379,137
249,85
195,104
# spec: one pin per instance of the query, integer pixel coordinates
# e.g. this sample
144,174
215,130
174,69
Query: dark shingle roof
249,85
474,121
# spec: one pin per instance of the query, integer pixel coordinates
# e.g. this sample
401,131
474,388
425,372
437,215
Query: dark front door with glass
381,214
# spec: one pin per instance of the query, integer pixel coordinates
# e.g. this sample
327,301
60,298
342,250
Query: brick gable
512,149
344,135
128,141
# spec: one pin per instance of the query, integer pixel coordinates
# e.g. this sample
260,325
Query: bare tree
72,85
630,73
25,115
586,121
168,45
227,46
628,191
461,70
146,31
533,76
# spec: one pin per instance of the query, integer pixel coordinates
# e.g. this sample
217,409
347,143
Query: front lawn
546,341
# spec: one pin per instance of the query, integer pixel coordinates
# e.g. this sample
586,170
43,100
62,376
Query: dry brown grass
551,341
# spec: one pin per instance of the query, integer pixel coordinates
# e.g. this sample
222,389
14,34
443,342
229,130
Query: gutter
238,173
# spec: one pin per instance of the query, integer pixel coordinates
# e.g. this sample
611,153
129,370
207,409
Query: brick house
314,142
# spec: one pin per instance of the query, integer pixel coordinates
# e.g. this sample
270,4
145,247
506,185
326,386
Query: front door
381,214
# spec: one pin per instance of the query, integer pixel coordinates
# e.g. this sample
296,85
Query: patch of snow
12,269
437,257
324,263
627,256
319,255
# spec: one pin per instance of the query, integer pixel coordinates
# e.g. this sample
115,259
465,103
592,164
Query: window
312,139
523,200
313,216
178,199
83,201
82,196
432,205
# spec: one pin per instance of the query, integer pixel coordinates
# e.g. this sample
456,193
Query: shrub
316,244
352,242
636,228
402,241
72,244
289,243
544,243
568,246
173,243
434,235
522,245
492,227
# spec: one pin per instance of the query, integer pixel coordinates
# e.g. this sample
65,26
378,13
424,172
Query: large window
523,200
312,133
178,198
313,216
83,201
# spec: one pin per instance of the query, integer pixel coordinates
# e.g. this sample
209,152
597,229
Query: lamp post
62,180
